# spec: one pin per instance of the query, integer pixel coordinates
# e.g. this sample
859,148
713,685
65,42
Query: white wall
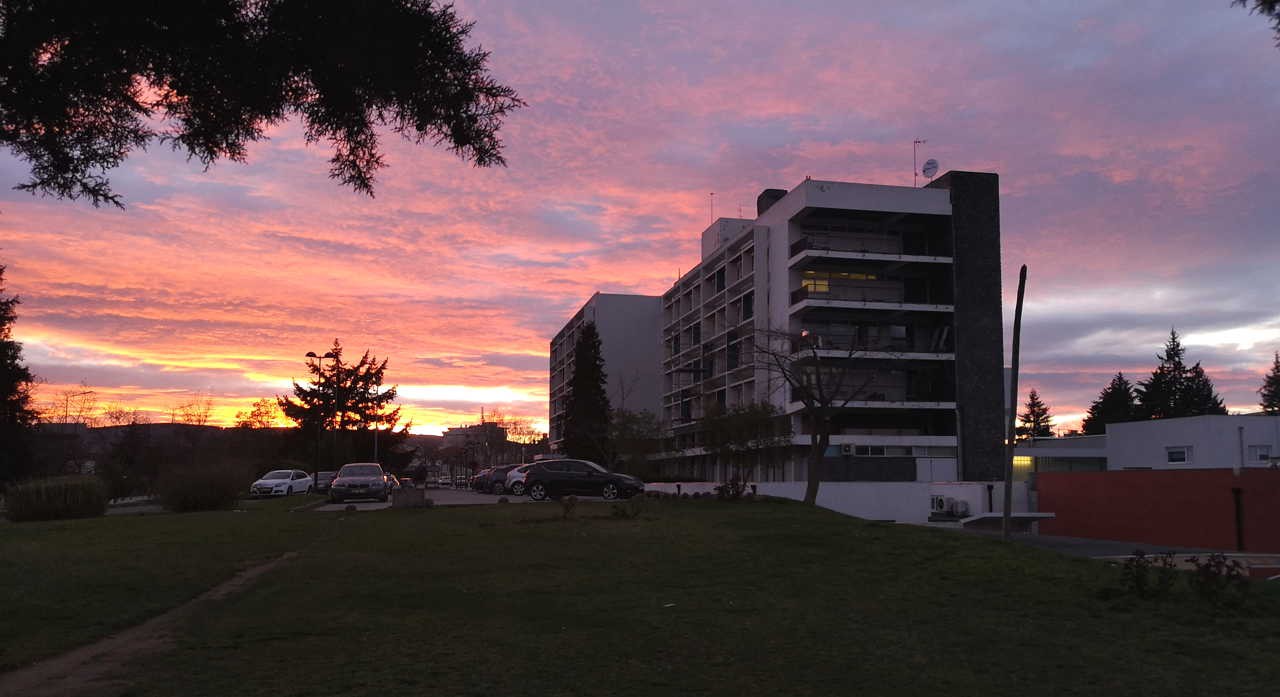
1214,439
903,502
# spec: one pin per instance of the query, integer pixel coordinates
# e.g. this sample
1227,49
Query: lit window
1179,455
1021,462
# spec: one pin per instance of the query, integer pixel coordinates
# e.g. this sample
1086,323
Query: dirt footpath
95,669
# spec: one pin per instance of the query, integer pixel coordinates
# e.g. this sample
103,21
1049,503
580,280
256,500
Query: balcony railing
868,245
839,292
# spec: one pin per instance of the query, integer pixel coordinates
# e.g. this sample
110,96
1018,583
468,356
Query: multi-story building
630,344
900,286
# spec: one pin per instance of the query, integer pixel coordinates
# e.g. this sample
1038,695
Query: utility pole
1013,408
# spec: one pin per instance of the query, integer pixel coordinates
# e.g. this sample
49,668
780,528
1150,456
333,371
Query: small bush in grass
567,504
1145,576
1218,579
56,498
200,489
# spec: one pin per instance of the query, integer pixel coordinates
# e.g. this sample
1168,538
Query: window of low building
1178,455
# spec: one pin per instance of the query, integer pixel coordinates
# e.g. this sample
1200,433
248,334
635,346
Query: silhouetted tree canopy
1267,8
84,84
1270,390
1036,421
1174,390
17,417
1115,404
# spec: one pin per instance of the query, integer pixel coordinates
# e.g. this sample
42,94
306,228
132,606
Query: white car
282,483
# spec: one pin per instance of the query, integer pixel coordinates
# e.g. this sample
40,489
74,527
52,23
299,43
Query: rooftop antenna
713,206
930,168
915,150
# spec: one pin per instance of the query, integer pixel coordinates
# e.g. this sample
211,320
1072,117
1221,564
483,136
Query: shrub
57,498
1218,579
567,504
200,489
1145,576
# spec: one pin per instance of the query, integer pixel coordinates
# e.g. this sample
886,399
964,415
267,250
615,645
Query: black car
551,478
360,480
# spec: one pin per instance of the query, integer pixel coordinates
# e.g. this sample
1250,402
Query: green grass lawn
692,598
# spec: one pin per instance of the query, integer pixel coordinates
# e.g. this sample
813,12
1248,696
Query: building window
1178,455
748,306
1259,453
720,279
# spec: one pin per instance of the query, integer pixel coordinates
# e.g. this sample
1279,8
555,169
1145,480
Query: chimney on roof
767,198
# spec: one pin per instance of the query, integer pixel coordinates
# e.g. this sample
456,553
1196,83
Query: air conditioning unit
957,507
937,504
846,449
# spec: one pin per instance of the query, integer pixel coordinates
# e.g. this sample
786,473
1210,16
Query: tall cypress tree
587,412
1036,421
1270,390
1115,404
17,418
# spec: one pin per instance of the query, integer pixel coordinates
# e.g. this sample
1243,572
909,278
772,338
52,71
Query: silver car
516,480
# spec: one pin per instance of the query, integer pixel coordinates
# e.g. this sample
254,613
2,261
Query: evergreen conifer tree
1174,390
1036,421
1270,390
1198,395
17,418
587,413
1160,396
1114,404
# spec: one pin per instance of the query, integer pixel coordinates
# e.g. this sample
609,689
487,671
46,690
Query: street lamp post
315,480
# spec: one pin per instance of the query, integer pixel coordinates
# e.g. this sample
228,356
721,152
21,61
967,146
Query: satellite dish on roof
930,168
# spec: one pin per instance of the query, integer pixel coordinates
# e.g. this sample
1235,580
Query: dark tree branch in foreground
1267,8
86,84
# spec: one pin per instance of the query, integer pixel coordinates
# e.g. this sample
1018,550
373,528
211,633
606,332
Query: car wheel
538,491
517,489
609,492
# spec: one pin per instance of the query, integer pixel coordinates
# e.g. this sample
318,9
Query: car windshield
278,474
361,471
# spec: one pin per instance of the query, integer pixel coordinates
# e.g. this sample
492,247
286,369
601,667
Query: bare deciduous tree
823,380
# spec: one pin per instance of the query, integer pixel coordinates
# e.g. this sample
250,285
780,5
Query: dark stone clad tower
979,325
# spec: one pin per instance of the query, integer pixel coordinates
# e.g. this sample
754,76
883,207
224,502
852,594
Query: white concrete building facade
900,283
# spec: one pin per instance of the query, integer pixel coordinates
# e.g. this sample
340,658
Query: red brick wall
1185,508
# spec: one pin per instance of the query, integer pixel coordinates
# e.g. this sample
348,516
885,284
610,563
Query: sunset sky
1136,144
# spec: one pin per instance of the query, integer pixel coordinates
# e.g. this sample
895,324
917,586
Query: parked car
479,481
282,483
495,481
360,480
552,478
323,480
515,480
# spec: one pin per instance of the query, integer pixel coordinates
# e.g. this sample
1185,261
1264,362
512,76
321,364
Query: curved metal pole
1013,410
